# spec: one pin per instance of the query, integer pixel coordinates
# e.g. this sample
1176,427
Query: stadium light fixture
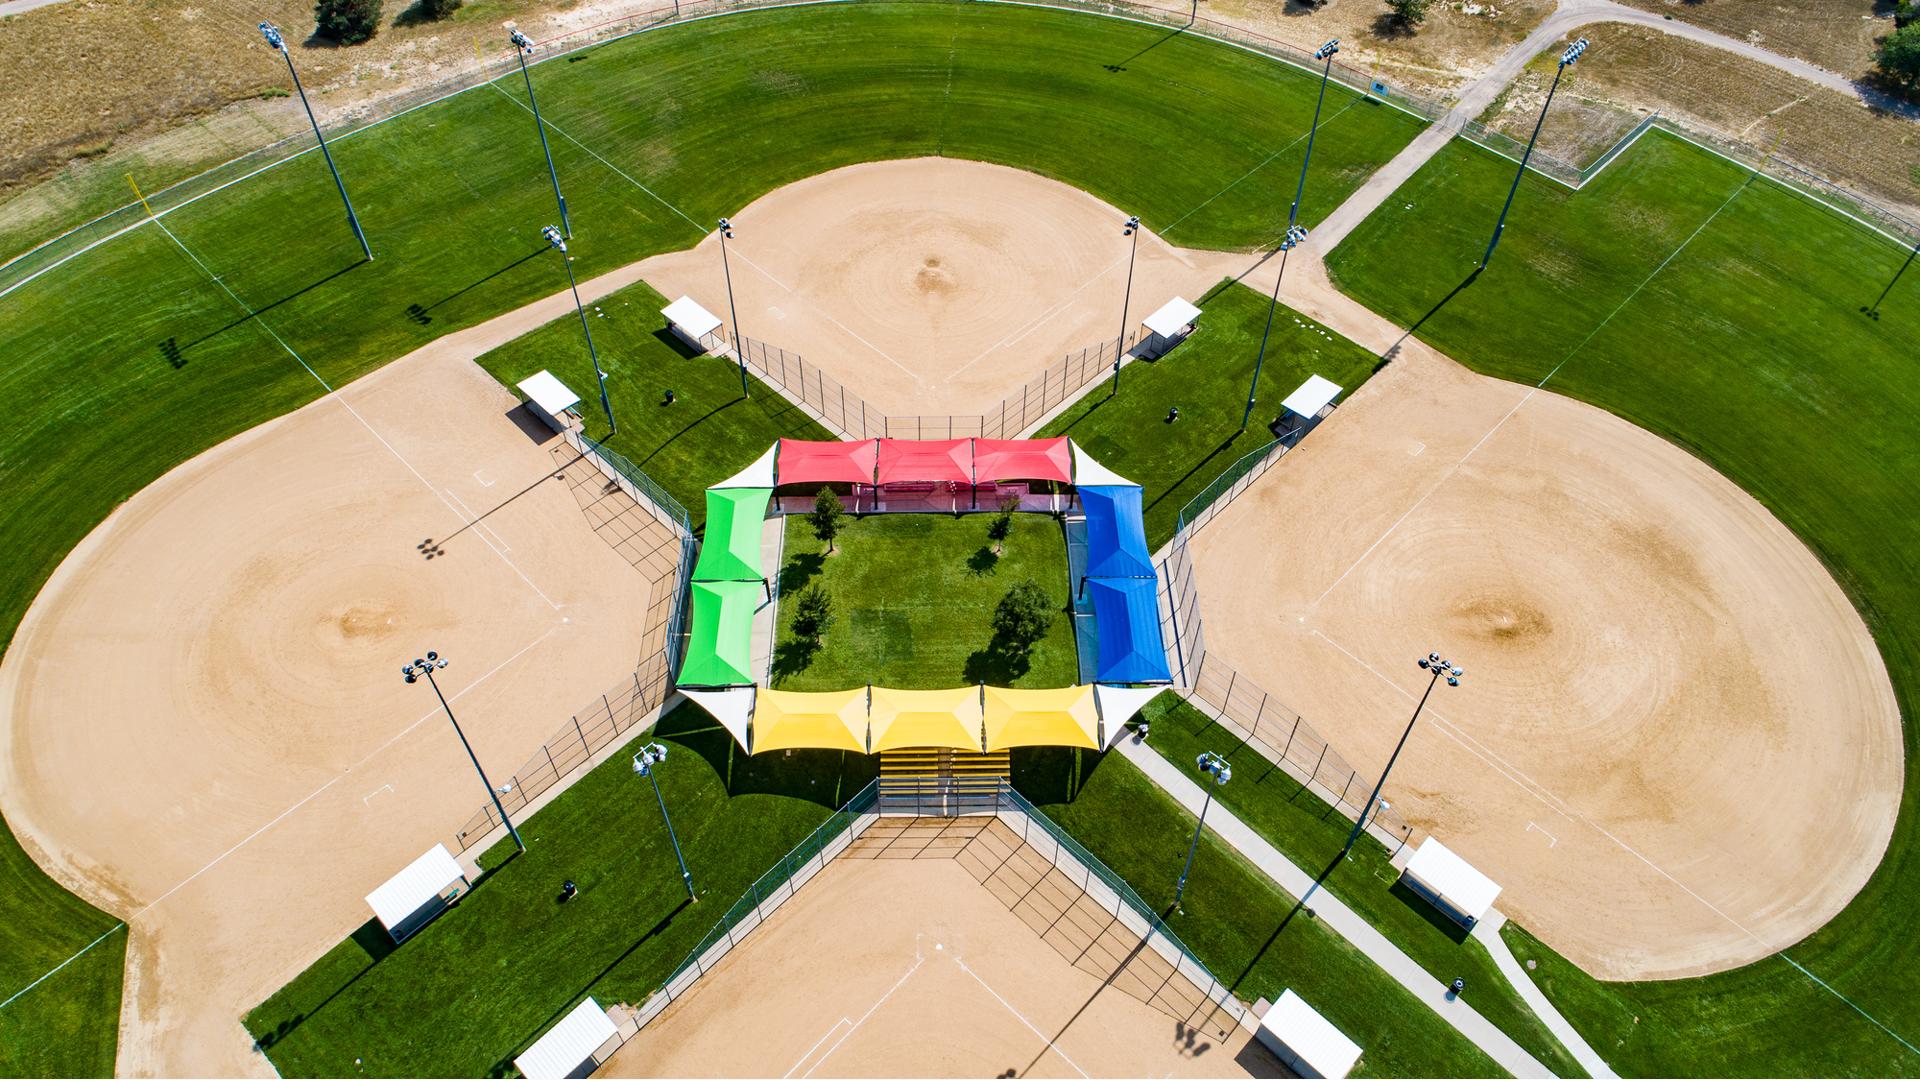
1438,669
1221,770
1295,234
278,43
1130,229
523,47
424,667
559,243
644,762
739,343
1574,52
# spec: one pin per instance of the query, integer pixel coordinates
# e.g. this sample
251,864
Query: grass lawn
1207,376
1311,833
709,432
477,986
1241,925
129,359
913,598
1750,349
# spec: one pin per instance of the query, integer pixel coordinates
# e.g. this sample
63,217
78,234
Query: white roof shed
1450,881
549,394
1305,1041
1312,396
1173,318
420,885
692,319
569,1048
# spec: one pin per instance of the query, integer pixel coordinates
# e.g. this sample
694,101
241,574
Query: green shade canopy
720,644
730,550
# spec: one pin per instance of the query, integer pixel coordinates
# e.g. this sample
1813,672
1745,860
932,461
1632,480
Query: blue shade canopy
1116,538
1126,619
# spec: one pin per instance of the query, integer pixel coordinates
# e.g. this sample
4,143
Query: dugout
1306,406
1449,883
580,1043
411,898
1168,327
550,400
1305,1041
691,323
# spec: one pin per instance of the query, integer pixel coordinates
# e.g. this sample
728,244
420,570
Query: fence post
1342,797
583,736
1257,714
1315,774
550,764
1290,735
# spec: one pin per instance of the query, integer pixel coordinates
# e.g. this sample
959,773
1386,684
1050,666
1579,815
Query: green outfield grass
130,359
913,596
1207,376
1310,833
1750,349
709,432
1247,931
481,983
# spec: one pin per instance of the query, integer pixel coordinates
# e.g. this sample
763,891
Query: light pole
643,762
726,268
279,45
559,243
1566,58
426,667
1132,229
522,45
1295,233
1439,669
1217,767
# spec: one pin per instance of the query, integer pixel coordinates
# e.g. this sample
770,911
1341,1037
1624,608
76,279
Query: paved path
1489,934
1480,93
1336,915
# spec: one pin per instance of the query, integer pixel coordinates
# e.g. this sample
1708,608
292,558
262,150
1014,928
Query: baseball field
1650,475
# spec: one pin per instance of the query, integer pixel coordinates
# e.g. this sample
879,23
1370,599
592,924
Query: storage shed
1303,1039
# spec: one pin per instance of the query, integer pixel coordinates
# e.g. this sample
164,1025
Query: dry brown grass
1633,69
1838,35
1460,39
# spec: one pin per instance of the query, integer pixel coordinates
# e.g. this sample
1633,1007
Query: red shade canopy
1022,459
904,461
805,462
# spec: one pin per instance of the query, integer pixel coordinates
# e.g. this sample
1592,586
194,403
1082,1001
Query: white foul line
1017,1016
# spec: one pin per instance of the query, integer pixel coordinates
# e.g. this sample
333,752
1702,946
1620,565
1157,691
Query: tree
1002,522
438,9
812,614
1906,13
1410,13
1899,56
348,22
1024,615
828,516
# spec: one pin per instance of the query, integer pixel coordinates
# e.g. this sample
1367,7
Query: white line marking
848,1021
1017,1016
1270,159
383,789
1552,840
902,981
480,475
480,526
56,968
802,297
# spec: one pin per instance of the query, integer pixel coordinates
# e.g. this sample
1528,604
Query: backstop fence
835,835
848,415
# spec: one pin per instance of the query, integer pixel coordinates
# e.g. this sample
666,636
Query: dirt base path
945,964
1676,746
934,286
202,722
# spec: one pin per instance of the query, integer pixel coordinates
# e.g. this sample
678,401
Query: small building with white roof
1311,401
1168,326
690,322
1449,883
550,399
1305,1041
411,898
580,1043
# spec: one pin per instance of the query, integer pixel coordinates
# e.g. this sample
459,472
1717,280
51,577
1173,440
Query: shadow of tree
800,571
983,562
999,664
792,657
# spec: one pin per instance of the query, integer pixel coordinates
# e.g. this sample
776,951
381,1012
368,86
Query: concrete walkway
1488,933
1336,915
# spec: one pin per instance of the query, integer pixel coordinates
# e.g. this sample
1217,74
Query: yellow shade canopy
791,720
1064,717
939,718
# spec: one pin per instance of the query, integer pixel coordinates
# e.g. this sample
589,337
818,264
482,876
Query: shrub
1023,616
828,516
348,22
1409,13
1002,522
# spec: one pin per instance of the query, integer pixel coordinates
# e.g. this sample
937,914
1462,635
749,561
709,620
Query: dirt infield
1676,745
205,729
941,948
933,286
